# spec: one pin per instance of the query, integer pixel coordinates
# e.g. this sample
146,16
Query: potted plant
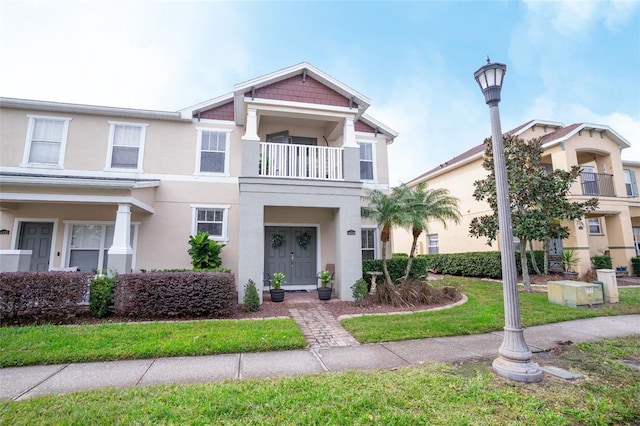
324,292
277,292
569,260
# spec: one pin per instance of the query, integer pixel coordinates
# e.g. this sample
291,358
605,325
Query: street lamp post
514,360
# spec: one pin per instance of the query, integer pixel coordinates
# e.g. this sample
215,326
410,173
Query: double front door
292,251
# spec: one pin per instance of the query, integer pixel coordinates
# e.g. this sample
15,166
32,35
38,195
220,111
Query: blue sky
566,61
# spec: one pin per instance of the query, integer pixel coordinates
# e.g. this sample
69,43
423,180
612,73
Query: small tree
387,211
423,205
251,298
205,253
538,197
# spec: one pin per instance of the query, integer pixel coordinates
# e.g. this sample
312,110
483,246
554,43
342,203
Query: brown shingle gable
297,89
560,132
222,112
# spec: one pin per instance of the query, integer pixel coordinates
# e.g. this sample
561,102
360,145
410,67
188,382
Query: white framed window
213,151
434,244
367,161
630,183
211,219
88,244
594,225
46,141
369,242
126,146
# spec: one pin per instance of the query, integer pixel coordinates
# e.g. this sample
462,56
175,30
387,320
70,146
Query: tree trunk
383,234
525,267
416,233
545,247
533,258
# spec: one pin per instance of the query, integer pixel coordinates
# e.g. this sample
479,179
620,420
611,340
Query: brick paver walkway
320,328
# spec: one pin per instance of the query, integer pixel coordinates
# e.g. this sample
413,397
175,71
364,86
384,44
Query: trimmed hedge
485,264
601,262
172,295
37,297
635,266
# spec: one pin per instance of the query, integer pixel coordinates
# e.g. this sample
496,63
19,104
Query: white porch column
251,131
120,253
349,134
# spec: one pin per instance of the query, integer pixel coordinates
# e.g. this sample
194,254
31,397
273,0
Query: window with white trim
126,146
213,151
594,225
367,161
89,245
630,183
46,141
369,239
211,219
434,244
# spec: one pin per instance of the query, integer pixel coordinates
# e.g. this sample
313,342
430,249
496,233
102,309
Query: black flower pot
277,295
324,293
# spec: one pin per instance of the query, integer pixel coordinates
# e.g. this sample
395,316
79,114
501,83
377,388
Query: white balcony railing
300,161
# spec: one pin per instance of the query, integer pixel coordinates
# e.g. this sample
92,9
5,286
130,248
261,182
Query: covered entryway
292,251
37,237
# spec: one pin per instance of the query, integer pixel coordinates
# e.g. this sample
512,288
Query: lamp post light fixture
514,360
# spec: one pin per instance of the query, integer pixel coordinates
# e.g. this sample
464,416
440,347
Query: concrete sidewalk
19,383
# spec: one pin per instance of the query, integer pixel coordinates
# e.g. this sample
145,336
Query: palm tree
387,211
424,205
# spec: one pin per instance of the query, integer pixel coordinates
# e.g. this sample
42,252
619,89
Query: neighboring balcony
300,161
599,184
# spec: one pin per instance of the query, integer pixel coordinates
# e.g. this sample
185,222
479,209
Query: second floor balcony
300,161
598,184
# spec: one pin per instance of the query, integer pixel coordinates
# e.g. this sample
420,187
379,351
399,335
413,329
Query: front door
291,250
36,236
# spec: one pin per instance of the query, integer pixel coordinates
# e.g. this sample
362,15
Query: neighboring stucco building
289,153
614,227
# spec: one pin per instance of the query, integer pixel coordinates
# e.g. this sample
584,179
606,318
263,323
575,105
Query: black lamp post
514,361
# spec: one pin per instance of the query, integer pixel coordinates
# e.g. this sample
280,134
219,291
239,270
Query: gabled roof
305,69
560,135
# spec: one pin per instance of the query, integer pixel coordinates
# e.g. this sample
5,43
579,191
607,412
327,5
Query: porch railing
300,161
597,184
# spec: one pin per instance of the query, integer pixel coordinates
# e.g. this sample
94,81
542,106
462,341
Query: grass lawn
482,313
435,394
51,344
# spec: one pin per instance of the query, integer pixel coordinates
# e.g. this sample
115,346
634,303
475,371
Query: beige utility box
574,293
608,278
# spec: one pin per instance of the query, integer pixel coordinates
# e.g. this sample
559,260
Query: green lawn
482,313
435,394
51,344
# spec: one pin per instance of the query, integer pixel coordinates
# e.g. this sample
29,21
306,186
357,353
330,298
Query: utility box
574,293
610,285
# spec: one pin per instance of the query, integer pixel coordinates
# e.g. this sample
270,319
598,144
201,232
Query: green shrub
472,264
100,295
400,255
205,253
360,291
601,262
251,298
635,266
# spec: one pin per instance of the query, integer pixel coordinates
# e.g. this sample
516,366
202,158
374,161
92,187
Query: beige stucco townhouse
613,228
102,188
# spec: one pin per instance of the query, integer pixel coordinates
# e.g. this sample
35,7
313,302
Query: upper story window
213,152
46,141
211,219
630,183
367,161
126,146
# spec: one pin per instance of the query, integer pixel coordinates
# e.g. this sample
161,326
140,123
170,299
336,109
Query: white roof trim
622,142
71,182
35,105
538,123
375,123
76,199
